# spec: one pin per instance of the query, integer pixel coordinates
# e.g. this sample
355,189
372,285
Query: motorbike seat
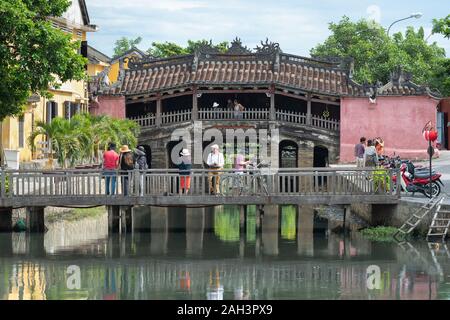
423,174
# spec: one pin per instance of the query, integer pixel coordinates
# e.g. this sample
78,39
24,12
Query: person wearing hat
216,108
185,167
127,162
215,163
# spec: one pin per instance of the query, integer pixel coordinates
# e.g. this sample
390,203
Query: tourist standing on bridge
127,162
238,110
379,145
359,152
185,167
110,164
215,163
141,165
370,155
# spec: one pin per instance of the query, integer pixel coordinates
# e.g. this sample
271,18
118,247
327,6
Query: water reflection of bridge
158,278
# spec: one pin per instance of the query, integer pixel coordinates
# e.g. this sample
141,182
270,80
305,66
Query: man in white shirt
215,163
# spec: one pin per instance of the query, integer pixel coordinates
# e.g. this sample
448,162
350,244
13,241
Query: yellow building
97,61
101,63
70,98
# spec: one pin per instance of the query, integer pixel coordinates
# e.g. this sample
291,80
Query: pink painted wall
113,106
398,120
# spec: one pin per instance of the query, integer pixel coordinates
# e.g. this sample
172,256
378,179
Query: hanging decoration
326,113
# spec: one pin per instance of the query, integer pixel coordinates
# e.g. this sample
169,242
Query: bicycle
247,182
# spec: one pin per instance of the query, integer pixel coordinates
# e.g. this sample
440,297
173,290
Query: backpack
128,159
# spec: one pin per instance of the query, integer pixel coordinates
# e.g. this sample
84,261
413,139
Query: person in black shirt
126,164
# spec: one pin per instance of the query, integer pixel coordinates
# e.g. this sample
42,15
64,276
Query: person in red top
110,165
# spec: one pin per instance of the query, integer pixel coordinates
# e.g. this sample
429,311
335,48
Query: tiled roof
240,67
95,56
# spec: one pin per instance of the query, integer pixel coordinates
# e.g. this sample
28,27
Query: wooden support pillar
158,110
242,220
125,219
272,113
113,219
194,104
308,109
5,219
346,220
35,219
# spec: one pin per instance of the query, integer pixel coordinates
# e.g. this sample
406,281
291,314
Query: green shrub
383,234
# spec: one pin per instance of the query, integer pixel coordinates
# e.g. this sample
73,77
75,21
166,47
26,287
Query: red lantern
430,135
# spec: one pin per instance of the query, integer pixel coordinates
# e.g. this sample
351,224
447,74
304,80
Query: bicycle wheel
228,186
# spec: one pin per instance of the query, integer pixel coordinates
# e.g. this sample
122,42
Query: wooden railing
177,116
43,187
148,120
261,114
220,114
291,117
324,123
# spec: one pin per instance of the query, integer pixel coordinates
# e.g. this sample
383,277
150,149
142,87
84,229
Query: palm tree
81,138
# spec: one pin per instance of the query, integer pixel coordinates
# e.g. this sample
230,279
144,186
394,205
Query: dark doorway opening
320,157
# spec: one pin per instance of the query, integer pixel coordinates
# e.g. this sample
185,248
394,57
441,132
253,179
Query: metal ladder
413,221
440,224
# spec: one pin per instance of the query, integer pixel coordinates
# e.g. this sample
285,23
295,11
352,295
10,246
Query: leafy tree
169,49
33,54
442,26
376,54
124,44
80,139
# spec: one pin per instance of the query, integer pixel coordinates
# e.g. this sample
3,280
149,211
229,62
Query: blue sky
297,25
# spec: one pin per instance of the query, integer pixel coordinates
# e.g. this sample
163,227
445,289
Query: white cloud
296,25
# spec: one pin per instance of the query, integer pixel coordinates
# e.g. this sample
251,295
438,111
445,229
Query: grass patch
76,214
382,234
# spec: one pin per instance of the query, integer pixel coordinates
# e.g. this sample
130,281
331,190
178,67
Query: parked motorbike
417,179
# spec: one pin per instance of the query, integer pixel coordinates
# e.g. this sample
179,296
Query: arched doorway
170,147
288,154
288,158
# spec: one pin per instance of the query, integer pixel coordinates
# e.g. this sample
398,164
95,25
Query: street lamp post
417,15
430,135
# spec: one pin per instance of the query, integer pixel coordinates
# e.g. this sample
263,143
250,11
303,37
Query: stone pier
5,219
159,230
195,225
35,219
270,230
305,231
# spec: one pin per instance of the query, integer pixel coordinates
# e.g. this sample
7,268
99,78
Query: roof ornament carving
208,48
268,47
238,48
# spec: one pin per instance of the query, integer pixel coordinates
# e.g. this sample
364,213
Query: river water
214,253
